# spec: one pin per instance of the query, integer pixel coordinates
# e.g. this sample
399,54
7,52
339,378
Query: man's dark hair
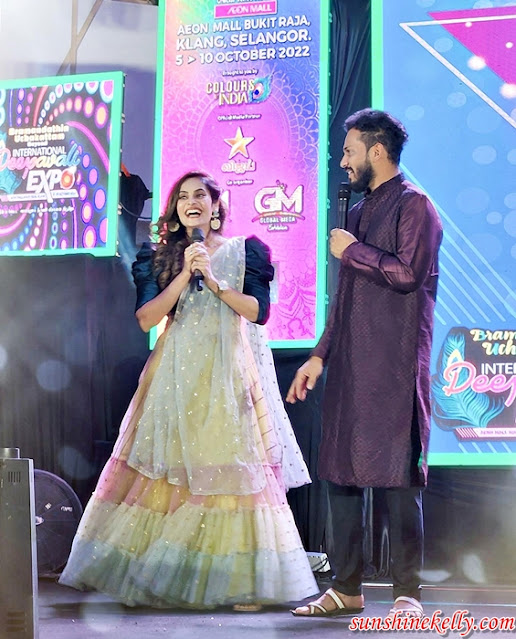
379,126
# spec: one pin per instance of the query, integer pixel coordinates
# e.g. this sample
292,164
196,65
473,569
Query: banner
59,164
474,388
242,94
447,69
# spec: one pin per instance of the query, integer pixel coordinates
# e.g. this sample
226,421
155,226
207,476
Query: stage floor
67,614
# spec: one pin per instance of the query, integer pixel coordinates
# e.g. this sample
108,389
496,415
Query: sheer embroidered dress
190,509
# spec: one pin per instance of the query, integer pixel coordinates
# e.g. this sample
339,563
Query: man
376,347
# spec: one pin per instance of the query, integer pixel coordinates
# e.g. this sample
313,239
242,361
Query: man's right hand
305,379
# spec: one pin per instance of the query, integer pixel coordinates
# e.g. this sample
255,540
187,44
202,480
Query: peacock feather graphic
467,408
261,89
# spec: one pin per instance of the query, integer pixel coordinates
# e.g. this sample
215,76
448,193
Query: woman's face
195,206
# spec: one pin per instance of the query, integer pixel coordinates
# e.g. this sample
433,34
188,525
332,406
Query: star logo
238,144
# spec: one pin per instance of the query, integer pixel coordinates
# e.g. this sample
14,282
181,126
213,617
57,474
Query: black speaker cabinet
18,562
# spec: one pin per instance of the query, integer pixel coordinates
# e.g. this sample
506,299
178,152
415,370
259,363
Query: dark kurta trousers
346,527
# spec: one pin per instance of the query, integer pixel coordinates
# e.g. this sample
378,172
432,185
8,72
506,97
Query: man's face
355,160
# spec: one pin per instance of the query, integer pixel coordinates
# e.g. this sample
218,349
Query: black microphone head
344,191
197,235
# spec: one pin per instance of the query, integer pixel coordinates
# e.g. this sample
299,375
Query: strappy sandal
409,607
317,609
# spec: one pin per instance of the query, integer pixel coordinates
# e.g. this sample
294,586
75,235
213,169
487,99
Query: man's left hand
339,242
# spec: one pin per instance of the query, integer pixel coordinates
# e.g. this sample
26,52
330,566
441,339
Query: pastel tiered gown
191,510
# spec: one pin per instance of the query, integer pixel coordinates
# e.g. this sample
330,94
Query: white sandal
316,609
414,609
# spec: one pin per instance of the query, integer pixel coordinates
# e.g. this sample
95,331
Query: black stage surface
67,614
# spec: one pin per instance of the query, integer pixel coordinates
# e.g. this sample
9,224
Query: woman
190,510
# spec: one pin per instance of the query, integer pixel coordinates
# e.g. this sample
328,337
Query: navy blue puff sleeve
258,273
147,287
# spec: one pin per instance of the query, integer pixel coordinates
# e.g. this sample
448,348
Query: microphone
344,195
198,236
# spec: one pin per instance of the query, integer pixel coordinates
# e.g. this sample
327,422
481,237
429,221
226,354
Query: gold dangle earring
174,227
215,220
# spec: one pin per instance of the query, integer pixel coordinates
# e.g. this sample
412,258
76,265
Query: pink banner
241,99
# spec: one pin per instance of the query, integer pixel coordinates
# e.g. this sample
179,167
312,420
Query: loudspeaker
18,562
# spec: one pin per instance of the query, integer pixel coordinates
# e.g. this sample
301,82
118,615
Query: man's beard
364,177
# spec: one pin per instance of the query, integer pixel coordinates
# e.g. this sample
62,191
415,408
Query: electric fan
58,511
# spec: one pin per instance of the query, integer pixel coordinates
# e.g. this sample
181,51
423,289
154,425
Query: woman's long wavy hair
170,245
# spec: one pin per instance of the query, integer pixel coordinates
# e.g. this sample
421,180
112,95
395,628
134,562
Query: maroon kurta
377,341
